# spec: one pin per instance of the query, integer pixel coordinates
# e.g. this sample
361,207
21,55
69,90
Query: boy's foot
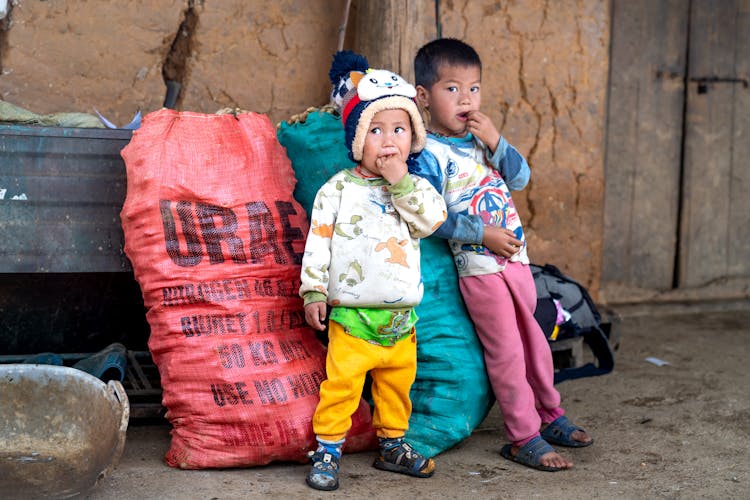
537,454
563,432
324,473
398,456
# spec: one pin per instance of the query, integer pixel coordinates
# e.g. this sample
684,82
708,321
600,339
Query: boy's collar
454,140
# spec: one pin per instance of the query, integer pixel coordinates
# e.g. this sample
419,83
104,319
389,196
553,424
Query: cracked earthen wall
544,80
63,56
545,70
267,57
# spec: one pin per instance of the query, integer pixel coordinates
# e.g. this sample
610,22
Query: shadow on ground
681,430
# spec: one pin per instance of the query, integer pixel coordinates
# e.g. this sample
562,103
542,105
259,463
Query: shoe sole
505,452
382,465
320,487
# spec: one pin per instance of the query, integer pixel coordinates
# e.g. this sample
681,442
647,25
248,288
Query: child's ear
423,97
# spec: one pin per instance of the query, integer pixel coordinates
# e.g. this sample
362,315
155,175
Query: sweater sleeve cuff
499,154
311,297
402,187
474,230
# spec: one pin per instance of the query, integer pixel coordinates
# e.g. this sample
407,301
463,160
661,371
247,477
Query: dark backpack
585,320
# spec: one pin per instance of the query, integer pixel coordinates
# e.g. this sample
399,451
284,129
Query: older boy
475,168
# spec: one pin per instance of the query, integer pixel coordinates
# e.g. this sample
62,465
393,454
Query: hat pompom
345,61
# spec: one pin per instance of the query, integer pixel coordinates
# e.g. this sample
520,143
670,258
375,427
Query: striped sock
332,447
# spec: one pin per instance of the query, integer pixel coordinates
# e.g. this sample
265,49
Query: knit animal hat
360,92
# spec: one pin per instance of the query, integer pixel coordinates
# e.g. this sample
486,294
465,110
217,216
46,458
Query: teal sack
315,146
451,394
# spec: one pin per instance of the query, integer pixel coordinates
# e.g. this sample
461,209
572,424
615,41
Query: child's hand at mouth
481,126
390,165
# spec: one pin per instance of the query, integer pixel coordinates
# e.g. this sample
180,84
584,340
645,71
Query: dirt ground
680,430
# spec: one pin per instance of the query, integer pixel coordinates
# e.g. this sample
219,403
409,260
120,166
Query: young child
474,168
362,258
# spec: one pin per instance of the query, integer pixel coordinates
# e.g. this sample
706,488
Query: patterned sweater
476,185
363,246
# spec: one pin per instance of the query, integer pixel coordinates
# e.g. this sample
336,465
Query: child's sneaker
324,473
398,456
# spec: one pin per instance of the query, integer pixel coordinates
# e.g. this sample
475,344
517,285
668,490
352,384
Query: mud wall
544,83
544,80
268,57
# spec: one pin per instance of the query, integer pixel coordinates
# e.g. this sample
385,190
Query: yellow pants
392,370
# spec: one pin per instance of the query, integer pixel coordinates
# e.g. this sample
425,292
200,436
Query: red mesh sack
215,239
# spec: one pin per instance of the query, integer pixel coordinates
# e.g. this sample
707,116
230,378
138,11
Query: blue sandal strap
533,450
560,432
531,454
398,456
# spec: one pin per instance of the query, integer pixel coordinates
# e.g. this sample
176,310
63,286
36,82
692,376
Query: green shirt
378,326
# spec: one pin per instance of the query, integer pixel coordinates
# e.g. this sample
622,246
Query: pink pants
516,352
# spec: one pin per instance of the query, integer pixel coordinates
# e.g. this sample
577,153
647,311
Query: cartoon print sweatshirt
476,184
363,246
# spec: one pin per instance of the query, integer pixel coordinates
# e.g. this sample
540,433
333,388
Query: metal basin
61,430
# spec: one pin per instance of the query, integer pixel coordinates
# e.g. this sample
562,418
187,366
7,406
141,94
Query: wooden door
715,216
677,199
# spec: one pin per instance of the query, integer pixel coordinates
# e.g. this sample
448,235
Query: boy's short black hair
442,51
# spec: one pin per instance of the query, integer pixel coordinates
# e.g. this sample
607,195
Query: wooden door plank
389,32
739,209
643,146
714,234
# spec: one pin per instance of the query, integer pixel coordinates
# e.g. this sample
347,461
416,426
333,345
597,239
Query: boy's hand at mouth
390,166
481,126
